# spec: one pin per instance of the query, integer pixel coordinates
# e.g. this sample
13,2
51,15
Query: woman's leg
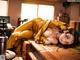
12,39
17,36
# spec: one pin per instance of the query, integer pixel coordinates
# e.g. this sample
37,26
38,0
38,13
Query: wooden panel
49,2
33,57
44,52
75,11
14,11
50,52
25,50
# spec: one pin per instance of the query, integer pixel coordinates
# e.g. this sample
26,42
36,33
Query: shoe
10,54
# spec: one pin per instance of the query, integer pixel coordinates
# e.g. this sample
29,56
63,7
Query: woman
32,29
26,30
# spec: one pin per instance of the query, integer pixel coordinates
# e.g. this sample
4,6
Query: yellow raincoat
33,28
27,30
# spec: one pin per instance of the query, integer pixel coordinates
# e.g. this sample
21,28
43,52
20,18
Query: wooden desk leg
26,49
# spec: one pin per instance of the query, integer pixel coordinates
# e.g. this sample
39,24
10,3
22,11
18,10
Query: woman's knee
16,33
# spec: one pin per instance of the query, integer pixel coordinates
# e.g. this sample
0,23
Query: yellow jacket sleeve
44,27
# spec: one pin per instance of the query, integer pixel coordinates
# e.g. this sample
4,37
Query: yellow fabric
25,30
60,24
33,28
25,26
18,35
44,27
37,24
26,34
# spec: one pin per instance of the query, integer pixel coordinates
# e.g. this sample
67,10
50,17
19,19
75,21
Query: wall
73,10
50,2
58,8
75,7
14,11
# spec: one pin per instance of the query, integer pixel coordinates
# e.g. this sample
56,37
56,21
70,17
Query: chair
3,24
5,27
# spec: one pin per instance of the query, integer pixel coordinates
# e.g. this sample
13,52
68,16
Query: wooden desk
51,52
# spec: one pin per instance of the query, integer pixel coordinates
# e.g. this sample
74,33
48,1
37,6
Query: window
3,8
46,12
30,11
